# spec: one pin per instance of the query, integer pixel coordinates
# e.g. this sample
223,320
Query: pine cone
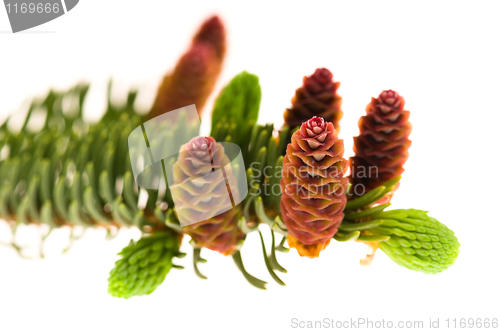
313,187
317,97
202,190
381,149
195,74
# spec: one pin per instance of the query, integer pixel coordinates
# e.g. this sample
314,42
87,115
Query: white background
443,57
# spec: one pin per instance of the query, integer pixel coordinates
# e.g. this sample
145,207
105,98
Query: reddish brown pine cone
201,191
381,149
313,186
317,97
195,75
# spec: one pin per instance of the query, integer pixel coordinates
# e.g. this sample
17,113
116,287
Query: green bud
417,241
143,266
